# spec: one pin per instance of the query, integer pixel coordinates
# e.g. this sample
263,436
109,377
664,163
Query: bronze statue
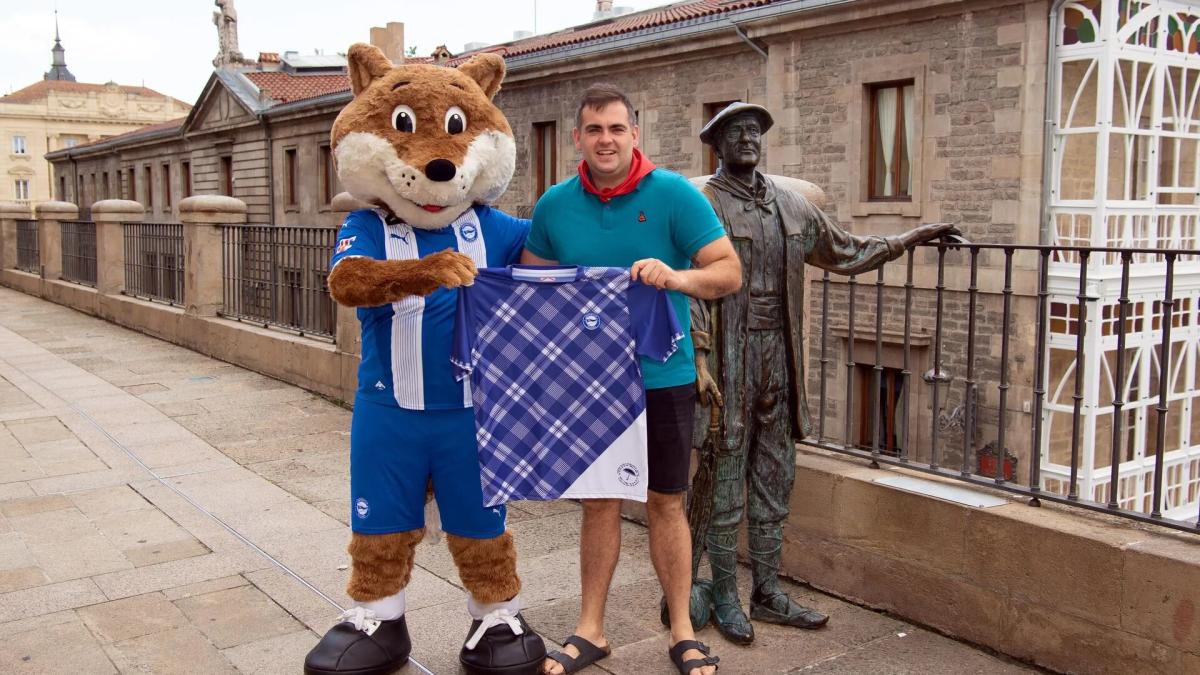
749,345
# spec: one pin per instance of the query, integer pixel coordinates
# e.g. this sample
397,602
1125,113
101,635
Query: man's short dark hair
598,96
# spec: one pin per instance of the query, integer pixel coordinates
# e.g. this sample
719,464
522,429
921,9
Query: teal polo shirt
664,217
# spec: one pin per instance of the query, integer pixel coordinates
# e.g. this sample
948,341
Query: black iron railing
28,256
1059,363
154,261
276,276
79,252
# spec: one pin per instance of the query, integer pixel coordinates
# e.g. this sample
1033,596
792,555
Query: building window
545,147
95,191
104,185
149,174
18,145
893,141
70,142
185,178
166,185
21,189
62,188
710,156
133,195
225,174
890,402
328,176
289,175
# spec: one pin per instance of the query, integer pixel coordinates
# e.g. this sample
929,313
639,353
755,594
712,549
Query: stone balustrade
330,369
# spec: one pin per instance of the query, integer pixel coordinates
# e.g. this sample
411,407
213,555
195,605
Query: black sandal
588,654
686,667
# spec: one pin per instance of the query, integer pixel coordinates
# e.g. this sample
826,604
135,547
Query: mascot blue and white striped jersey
406,344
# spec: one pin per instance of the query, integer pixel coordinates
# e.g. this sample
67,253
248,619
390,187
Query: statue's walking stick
700,501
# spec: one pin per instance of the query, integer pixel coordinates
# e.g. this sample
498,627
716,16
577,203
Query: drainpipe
262,118
746,38
1049,123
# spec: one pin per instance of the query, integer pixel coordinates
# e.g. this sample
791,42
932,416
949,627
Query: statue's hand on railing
947,233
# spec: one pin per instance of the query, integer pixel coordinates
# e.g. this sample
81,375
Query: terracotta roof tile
286,87
40,90
626,23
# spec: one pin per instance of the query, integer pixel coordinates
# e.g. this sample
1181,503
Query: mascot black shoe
361,645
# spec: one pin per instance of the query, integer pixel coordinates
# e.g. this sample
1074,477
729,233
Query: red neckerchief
639,168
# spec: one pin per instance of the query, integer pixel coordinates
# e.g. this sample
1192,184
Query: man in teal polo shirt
621,211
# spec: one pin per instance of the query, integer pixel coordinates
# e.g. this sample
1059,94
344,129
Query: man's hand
706,388
656,273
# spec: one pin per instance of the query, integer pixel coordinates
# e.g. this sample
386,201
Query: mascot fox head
425,141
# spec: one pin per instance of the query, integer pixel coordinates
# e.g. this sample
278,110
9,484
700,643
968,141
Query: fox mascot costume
429,149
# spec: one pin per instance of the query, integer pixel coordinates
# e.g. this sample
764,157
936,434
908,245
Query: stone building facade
59,112
966,142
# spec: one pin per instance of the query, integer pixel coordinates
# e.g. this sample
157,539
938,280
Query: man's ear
366,64
487,70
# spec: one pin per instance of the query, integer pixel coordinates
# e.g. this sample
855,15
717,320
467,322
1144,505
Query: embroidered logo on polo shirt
469,232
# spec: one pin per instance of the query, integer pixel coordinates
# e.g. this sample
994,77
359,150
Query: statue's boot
768,602
727,611
699,605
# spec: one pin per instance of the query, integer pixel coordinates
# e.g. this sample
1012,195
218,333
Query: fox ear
366,64
487,70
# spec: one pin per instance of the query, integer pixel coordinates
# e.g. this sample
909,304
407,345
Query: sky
168,45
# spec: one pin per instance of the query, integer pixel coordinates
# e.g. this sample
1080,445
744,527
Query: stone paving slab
164,512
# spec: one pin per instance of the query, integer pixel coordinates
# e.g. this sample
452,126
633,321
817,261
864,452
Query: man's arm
717,272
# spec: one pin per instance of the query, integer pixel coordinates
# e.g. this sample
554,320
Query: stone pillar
201,216
10,213
50,216
110,216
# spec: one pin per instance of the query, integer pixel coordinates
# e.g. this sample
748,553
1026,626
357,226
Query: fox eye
404,119
456,120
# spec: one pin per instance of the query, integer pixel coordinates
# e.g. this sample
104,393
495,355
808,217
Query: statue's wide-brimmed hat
733,110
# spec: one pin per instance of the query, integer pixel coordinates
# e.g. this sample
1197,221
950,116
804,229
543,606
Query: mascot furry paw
427,146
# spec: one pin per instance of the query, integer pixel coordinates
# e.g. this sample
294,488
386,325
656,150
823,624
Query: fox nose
440,170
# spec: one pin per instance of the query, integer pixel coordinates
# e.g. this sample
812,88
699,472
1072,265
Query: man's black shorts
669,414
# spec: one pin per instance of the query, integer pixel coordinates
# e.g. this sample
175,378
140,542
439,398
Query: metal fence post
201,216
50,216
110,216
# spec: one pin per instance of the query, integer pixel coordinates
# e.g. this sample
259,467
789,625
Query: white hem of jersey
625,456
675,347
466,369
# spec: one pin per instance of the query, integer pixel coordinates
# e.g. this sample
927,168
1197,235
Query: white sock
386,609
478,610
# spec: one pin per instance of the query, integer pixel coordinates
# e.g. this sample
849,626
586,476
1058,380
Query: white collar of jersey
545,274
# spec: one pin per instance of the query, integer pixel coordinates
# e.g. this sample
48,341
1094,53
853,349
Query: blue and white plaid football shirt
552,353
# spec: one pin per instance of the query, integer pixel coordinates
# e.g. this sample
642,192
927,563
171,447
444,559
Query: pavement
165,512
